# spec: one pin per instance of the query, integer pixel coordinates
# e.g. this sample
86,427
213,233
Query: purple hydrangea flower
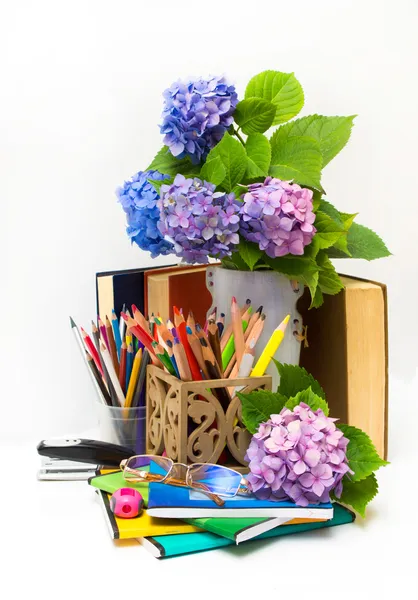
139,201
278,216
298,455
196,115
197,220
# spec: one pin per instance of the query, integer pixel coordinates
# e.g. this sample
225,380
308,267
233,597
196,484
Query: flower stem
239,137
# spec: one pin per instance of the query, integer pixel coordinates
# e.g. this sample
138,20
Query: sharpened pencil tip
176,310
248,301
286,320
189,330
260,310
72,322
134,308
234,300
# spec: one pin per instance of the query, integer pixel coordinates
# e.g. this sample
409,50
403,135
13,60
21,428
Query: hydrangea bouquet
301,454
220,188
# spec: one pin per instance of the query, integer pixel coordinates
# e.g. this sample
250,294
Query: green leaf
364,243
258,152
297,158
309,398
232,154
167,164
291,266
311,280
213,171
328,230
254,115
329,281
257,407
249,252
318,299
332,133
359,493
362,456
282,89
235,262
344,220
294,379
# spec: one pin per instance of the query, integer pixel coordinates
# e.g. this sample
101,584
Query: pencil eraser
126,503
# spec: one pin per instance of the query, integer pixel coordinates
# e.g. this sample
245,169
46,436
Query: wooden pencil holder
187,420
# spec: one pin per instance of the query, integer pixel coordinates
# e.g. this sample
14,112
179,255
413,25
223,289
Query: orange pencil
191,321
181,361
246,305
237,329
253,319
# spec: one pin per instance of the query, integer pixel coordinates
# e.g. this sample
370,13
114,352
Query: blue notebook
169,501
187,543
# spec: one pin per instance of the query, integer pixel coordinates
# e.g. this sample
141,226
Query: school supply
347,353
270,349
176,545
126,503
241,530
111,482
57,469
170,501
140,526
85,451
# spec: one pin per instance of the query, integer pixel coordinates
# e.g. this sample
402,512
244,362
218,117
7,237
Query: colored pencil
112,373
122,366
162,354
191,321
182,336
246,305
133,379
196,346
232,368
142,335
106,376
181,361
237,321
253,319
214,373
139,318
245,366
122,324
229,351
116,333
170,353
103,332
129,365
138,395
112,344
100,386
213,337
91,348
270,349
226,334
220,323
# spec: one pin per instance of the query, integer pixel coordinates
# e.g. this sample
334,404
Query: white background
80,100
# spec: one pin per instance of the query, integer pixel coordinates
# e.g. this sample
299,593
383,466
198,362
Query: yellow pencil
128,339
133,378
270,349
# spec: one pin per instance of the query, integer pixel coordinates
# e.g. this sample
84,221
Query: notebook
143,525
181,286
170,501
347,354
176,545
114,481
116,288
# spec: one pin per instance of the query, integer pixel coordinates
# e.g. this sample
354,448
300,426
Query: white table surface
56,545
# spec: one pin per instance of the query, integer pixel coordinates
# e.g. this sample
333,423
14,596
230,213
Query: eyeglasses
213,480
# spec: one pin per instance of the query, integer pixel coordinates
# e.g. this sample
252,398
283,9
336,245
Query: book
169,501
348,354
181,286
175,545
116,288
110,482
143,525
241,530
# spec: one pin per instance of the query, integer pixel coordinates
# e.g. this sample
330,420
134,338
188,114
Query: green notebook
243,529
186,543
110,482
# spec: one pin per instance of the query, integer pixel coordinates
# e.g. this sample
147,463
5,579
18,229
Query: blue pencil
116,333
129,363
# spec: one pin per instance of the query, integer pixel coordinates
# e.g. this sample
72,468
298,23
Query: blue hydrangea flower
196,115
197,220
139,201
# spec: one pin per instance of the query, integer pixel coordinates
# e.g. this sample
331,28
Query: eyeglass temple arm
146,476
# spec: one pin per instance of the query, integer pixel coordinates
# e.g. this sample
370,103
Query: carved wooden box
187,419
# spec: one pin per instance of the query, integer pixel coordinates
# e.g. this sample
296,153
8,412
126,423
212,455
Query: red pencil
92,349
143,336
180,324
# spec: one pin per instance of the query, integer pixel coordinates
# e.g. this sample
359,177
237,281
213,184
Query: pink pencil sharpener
126,503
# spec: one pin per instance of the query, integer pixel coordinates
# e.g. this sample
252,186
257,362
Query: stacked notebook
179,520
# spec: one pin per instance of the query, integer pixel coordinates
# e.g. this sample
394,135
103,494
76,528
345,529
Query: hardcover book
347,354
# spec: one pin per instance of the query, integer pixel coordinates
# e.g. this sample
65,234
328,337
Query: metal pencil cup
187,420
123,426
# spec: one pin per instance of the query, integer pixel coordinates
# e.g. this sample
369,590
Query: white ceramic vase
275,293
